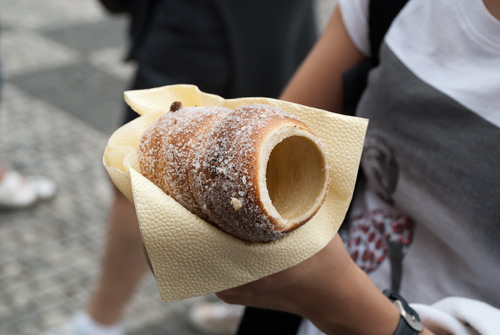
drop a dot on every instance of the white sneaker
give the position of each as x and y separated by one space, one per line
216 318
67 329
17 191
83 324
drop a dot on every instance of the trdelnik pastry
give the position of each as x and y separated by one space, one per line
255 172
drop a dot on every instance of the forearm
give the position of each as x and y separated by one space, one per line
343 300
329 290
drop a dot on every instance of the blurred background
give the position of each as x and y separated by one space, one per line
64 77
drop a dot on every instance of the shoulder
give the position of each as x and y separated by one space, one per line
355 18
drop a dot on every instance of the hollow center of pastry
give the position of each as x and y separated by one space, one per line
296 178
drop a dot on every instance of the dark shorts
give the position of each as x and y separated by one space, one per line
225 47
185 43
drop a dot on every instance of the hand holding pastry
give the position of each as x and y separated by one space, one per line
329 290
190 253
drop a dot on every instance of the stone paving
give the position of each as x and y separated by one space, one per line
61 99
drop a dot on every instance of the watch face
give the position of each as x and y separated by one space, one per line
410 316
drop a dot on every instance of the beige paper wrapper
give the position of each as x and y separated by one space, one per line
190 257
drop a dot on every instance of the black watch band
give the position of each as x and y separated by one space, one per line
409 324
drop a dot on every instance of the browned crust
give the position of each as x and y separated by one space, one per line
220 163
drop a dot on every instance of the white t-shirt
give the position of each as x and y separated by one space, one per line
432 152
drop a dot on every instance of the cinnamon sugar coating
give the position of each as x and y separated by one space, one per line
207 159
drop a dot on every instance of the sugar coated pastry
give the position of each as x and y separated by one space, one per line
255 172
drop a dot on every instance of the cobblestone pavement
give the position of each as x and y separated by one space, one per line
61 99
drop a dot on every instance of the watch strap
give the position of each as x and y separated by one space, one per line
409 323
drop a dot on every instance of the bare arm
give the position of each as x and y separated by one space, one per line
328 288
318 81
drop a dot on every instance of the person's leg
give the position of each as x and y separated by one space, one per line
123 265
122 268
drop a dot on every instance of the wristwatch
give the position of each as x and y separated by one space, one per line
409 324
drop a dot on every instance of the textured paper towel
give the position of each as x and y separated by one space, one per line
191 257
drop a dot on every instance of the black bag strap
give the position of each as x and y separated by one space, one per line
380 16
268 322
381 13
116 6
